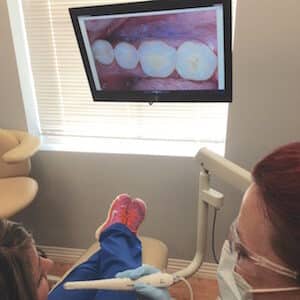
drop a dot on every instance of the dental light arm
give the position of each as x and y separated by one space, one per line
224 169
211 164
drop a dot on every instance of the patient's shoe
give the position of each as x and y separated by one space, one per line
136 214
116 214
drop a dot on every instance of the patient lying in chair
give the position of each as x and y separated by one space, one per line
120 250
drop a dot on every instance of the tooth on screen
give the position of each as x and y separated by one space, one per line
103 52
126 56
195 61
157 58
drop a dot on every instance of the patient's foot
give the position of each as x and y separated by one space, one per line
135 214
116 214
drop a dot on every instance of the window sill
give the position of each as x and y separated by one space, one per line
127 146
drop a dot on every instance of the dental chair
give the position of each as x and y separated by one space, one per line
210 164
17 190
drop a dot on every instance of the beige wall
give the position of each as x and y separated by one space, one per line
11 106
76 188
266 106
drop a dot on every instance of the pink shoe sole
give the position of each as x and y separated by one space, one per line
122 199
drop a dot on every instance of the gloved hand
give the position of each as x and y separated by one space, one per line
145 289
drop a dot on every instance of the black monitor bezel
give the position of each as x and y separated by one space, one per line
157 96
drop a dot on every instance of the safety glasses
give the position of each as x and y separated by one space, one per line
236 246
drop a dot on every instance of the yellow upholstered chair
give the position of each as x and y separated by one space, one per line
17 190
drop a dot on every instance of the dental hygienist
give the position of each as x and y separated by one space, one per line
260 259
263 246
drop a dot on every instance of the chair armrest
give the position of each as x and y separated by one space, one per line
27 147
16 193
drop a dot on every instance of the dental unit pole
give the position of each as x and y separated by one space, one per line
211 164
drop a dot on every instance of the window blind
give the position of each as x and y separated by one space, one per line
64 101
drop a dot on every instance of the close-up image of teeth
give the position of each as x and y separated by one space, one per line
172 51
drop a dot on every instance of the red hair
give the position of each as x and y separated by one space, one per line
278 178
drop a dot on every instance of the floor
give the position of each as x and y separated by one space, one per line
203 288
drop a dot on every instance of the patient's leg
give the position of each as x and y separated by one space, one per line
88 270
120 250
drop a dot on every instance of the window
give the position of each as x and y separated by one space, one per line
65 114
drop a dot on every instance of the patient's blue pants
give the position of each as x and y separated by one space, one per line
120 250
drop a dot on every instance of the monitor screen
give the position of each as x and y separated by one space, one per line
178 51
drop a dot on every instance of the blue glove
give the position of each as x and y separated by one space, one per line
145 289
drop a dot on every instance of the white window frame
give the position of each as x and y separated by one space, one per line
26 80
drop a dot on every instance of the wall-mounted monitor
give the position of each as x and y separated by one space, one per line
157 51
